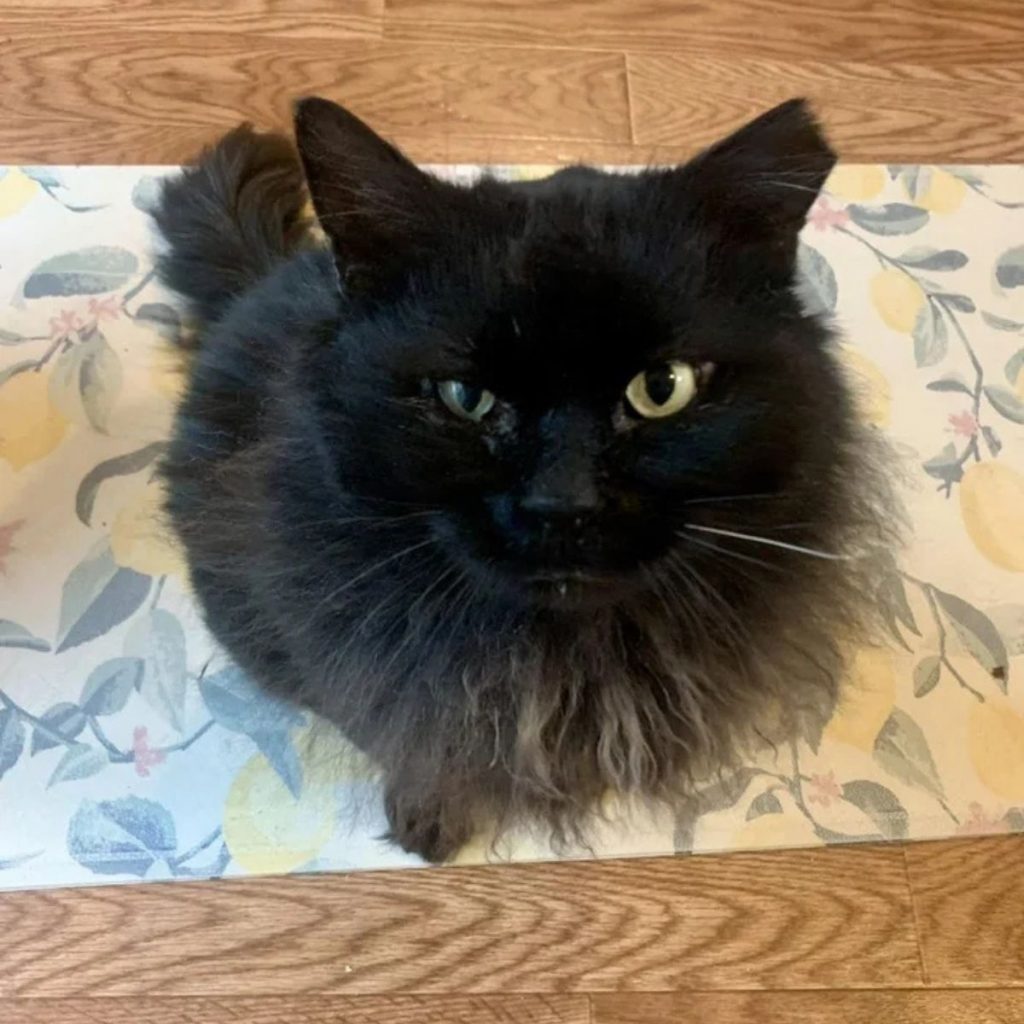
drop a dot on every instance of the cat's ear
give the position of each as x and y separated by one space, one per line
760 182
378 210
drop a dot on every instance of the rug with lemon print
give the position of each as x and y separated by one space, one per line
130 748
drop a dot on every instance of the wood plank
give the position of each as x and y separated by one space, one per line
874 113
992 1007
934 32
188 82
293 19
969 900
66 142
813 918
317 1010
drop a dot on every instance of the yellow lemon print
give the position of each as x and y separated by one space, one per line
30 426
478 850
16 189
167 372
866 700
997 747
856 183
898 299
991 499
270 831
871 387
532 172
141 538
943 192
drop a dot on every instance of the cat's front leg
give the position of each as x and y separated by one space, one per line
432 826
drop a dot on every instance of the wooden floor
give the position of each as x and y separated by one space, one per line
114 81
926 933
887 935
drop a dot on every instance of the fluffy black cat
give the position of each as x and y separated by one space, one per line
536 489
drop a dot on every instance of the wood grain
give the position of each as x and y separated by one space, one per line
512 80
316 1010
873 113
24 141
817 918
290 19
806 1007
969 899
922 31
183 83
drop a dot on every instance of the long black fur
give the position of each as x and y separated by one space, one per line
513 616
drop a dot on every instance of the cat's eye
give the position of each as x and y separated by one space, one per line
465 400
662 390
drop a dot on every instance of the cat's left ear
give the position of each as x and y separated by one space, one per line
381 213
759 183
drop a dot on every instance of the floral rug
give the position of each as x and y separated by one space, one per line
131 749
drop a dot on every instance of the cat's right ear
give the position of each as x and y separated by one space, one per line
380 213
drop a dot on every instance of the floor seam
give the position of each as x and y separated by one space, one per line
918 937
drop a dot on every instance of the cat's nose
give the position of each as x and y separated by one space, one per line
559 506
563 486
565 490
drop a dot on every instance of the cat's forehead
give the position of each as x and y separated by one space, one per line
569 328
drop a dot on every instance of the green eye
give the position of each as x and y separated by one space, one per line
465 400
662 390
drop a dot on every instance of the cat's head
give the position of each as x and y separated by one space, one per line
581 379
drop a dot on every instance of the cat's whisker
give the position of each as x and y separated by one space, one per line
430 611
789 184
376 567
382 520
719 550
768 542
767 495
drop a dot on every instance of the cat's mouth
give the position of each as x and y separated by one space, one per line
547 571
572 588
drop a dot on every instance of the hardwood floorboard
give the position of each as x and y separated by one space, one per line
292 19
817 918
935 32
186 83
503 1009
991 1007
69 142
969 898
874 113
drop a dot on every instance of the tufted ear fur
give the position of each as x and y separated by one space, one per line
768 173
381 213
752 190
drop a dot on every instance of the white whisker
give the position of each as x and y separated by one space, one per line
718 550
768 541
733 497
374 568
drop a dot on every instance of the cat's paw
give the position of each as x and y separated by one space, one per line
429 829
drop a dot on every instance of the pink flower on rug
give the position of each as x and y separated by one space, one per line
68 323
823 216
979 823
104 309
7 532
824 789
145 757
963 424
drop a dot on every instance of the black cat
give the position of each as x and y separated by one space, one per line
536 489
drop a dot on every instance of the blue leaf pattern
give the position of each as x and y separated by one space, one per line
122 724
